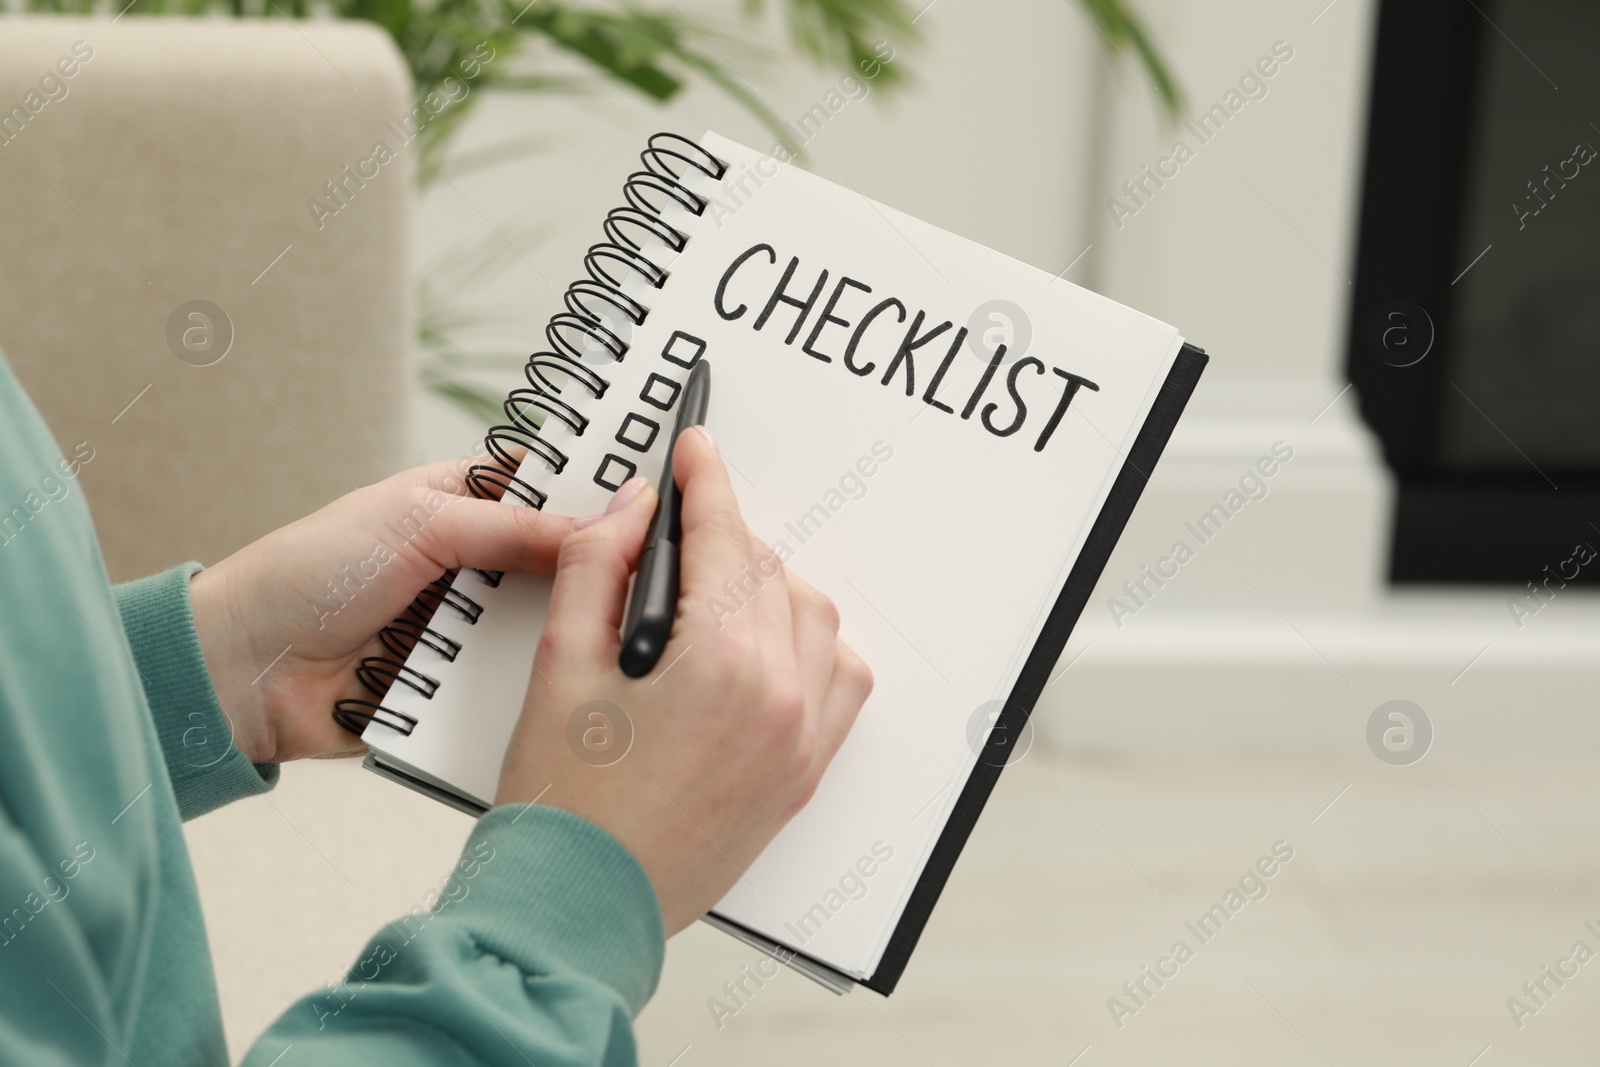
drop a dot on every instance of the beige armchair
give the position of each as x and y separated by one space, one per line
233 355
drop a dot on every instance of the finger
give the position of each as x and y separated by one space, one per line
768 589
592 579
447 475
816 638
467 532
716 544
848 689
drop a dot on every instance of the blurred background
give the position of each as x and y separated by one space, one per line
1383 663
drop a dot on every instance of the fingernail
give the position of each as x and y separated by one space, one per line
626 492
711 440
619 500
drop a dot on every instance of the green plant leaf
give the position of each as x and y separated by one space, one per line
624 44
847 33
1121 28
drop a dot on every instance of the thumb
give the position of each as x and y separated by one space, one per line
592 574
490 535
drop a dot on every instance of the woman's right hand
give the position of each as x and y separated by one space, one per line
732 730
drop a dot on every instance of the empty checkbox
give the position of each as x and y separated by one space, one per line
614 470
638 432
683 349
660 392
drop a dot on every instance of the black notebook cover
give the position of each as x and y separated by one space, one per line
1130 483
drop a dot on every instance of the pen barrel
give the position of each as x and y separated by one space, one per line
651 610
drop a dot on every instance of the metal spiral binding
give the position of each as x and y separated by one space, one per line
667 159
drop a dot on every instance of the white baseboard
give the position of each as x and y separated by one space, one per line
1304 681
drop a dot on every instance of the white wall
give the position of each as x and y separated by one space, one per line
1213 253
1250 249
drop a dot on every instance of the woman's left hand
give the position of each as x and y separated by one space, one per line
283 622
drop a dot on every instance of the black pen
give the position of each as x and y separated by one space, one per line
654 603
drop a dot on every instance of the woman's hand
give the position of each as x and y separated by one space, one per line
284 621
727 738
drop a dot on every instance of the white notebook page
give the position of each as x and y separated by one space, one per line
943 543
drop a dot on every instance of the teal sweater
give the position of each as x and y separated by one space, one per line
543 945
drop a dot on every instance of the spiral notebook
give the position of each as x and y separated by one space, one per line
945 441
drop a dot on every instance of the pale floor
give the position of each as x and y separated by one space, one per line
1414 906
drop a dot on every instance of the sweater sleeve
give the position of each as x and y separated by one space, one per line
540 947
206 768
